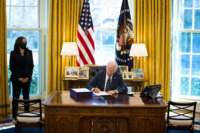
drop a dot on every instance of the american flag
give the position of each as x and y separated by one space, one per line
85 39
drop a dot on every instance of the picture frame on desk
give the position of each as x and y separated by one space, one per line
83 72
71 72
123 68
127 75
138 73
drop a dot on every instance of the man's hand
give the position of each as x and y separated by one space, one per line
112 92
96 90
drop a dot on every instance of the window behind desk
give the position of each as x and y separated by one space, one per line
105 14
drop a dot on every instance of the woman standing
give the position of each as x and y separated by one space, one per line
21 66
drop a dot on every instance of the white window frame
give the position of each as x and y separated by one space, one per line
176 29
42 52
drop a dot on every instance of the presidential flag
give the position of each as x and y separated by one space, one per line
85 36
124 37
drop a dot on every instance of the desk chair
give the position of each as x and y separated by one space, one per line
180 116
31 118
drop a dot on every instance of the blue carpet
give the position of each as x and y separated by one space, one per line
24 130
37 130
173 131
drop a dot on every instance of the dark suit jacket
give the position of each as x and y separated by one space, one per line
99 81
21 66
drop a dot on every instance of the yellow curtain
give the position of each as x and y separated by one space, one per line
4 101
63 25
152 27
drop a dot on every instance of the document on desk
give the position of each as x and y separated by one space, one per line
102 93
81 90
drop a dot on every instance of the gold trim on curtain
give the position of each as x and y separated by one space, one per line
63 25
152 27
4 99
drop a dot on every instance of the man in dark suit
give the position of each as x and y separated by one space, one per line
109 80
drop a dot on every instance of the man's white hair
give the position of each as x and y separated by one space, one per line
113 63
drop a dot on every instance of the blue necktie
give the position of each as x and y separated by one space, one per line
108 83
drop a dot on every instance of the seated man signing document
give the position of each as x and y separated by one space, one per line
110 80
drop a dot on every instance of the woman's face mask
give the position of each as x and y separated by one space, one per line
23 45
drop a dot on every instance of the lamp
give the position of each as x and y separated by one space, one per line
138 50
69 49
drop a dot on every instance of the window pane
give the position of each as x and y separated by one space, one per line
188 3
31 2
109 22
108 38
195 86
15 2
98 37
184 85
104 54
185 64
185 42
32 39
197 19
197 3
34 90
105 19
196 64
97 2
32 43
196 43
187 19
96 16
22 2
18 18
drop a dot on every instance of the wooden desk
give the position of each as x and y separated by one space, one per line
120 114
138 84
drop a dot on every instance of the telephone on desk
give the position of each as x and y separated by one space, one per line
151 91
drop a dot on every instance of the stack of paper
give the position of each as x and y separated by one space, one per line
102 93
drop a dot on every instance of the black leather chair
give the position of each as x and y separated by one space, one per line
31 118
93 70
181 116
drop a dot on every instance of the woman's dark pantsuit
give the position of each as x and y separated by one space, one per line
17 88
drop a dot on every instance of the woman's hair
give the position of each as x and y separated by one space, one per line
18 42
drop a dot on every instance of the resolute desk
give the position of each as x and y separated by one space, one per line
119 114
